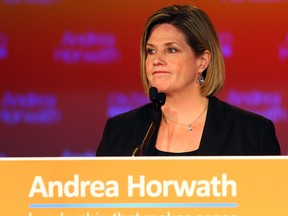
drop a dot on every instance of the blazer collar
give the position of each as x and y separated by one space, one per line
215 133
216 129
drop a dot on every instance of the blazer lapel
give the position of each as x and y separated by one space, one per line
141 128
216 129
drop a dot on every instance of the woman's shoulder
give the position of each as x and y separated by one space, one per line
237 113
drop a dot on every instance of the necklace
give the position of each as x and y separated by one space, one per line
190 124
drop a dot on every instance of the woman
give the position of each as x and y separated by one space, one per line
181 56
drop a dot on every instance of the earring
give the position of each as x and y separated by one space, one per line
201 79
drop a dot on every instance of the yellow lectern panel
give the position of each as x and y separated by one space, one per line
144 186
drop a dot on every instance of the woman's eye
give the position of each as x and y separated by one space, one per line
172 50
150 51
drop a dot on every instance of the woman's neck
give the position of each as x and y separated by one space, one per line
184 108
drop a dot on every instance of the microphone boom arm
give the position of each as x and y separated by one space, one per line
140 150
158 101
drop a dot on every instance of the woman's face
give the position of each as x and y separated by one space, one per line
171 64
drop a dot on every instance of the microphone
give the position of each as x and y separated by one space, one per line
158 100
161 99
153 94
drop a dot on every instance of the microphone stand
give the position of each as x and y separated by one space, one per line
158 102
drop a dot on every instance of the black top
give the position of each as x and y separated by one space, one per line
228 130
162 153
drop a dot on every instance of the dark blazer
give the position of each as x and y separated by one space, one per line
228 130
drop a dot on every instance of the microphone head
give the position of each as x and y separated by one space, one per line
161 99
153 94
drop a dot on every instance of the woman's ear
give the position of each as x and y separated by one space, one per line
204 58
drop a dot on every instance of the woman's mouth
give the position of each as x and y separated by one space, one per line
159 72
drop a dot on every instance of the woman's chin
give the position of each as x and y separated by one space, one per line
161 88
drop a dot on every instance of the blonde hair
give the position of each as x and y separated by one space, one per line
200 36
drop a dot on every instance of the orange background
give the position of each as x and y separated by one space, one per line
31 31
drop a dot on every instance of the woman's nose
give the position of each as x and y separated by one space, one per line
159 59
